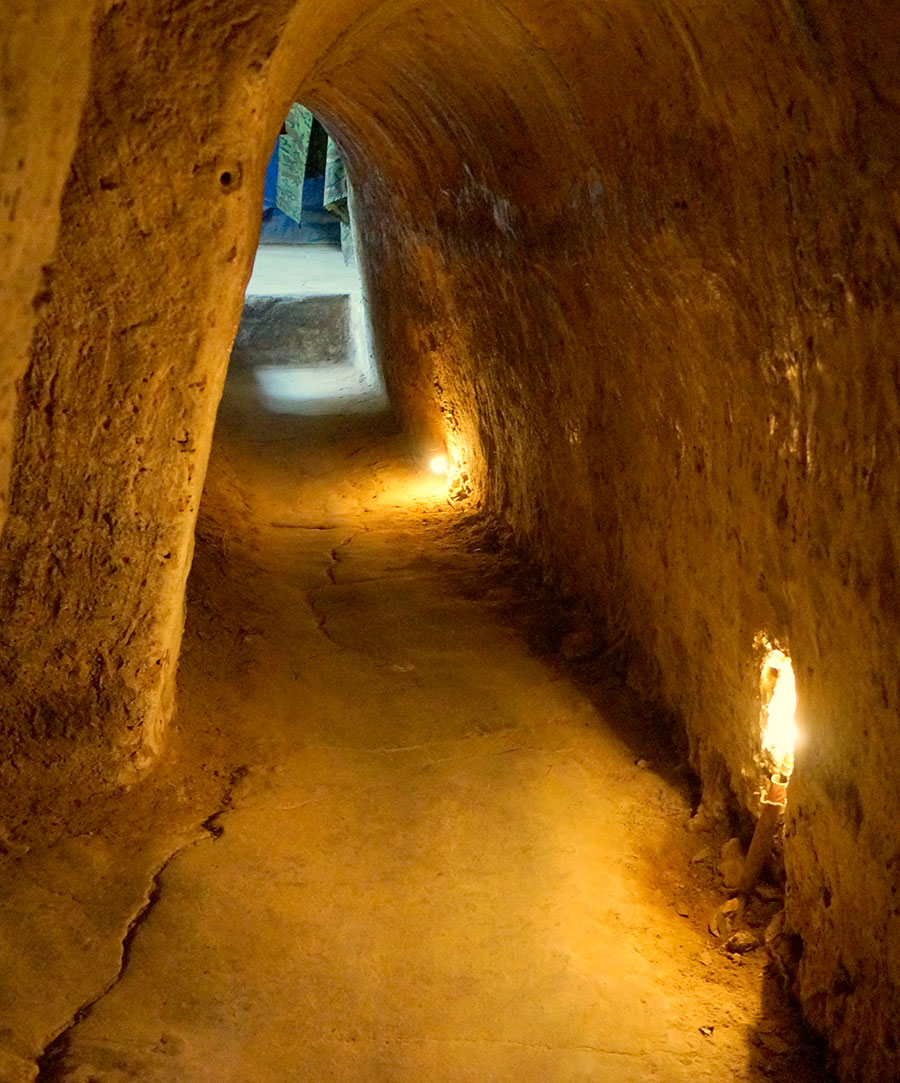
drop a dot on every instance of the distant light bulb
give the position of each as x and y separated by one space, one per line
439 464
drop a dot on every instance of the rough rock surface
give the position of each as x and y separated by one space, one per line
637 263
44 54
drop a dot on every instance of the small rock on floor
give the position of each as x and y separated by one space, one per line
741 942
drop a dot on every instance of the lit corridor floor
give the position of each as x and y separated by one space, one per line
438 856
292 270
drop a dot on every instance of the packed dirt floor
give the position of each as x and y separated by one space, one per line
405 832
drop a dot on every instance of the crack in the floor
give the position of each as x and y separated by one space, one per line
414 768
439 743
508 1042
50 1061
320 617
335 560
305 526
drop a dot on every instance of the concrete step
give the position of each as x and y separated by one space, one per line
294 331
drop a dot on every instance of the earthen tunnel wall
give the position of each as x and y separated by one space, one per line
676 383
638 263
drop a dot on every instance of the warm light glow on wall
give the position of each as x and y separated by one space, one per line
447 460
779 712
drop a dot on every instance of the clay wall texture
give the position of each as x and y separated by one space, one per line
638 263
44 74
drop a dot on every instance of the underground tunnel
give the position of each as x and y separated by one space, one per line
577 761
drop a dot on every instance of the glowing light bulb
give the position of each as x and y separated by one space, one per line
439 464
780 729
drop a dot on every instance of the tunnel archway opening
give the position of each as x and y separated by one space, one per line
304 331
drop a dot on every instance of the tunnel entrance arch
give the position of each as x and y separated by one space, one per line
303 342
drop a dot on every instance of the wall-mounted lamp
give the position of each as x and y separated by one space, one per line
779 736
779 723
449 462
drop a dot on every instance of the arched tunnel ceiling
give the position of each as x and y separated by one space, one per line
426 96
